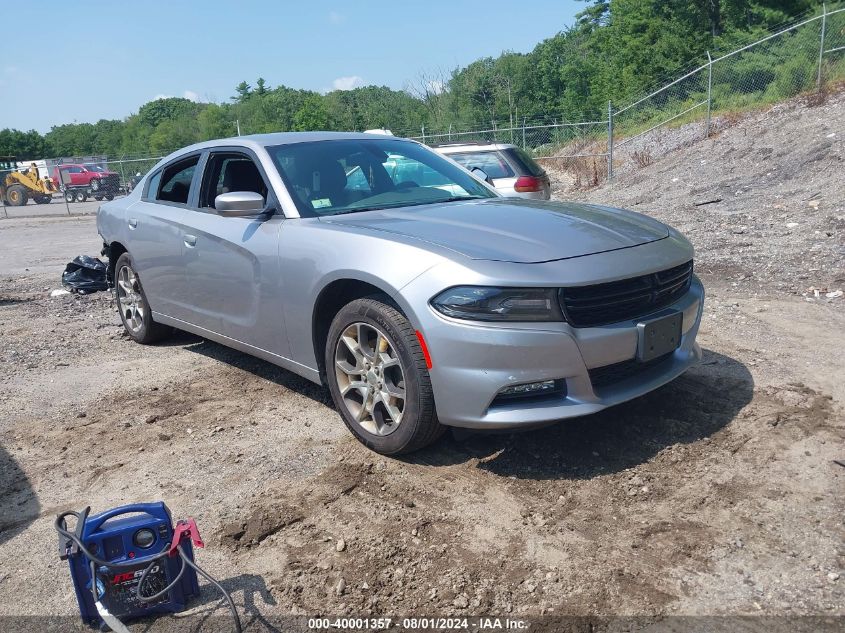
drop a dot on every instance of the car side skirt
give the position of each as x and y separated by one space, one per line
285 363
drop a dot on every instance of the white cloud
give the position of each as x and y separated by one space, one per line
436 86
347 83
188 94
335 17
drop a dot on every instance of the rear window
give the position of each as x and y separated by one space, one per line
492 163
521 158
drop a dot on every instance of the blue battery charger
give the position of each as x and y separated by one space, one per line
131 536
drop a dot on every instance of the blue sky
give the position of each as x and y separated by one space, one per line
92 60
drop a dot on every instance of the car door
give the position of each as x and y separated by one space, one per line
156 234
76 176
231 264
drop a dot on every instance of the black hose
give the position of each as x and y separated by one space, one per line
94 560
220 588
167 588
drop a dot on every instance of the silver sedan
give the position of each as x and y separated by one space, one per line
419 296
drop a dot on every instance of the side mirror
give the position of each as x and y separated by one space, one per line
239 204
480 173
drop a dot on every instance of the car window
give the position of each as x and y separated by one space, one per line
176 181
152 185
403 169
528 164
492 163
75 170
355 179
226 172
351 175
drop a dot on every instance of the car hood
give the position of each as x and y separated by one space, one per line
521 231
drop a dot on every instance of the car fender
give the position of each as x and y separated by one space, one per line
314 256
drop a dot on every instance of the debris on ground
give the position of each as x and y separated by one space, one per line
85 274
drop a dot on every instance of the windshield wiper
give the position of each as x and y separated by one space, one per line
456 198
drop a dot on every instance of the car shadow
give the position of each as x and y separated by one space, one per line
19 504
692 407
256 366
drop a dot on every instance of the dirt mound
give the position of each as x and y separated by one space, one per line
762 200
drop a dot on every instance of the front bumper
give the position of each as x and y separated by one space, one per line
473 362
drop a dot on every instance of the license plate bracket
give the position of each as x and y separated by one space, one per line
659 336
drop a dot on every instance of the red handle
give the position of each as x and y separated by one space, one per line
185 529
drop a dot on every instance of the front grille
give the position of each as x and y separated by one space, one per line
600 304
612 374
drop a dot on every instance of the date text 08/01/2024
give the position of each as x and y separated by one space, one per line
418 624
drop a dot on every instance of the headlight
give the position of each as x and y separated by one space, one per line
480 303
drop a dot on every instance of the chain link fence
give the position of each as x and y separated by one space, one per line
77 184
785 63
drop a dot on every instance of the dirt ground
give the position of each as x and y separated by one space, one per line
717 495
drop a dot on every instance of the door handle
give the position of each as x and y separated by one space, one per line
133 223
190 241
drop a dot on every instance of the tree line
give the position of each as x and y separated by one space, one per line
615 50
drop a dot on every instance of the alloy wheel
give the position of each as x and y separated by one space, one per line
370 378
132 305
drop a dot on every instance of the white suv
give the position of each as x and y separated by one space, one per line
510 169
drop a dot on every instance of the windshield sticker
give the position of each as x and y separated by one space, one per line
321 203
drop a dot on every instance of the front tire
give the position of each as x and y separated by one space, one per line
378 378
70 196
16 195
132 305
95 184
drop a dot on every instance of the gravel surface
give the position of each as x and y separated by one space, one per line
715 495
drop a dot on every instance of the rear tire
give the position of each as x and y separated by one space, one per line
132 305
373 370
82 196
98 197
17 196
109 197
70 196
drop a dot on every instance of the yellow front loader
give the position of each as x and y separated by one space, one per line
16 187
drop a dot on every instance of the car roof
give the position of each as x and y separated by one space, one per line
255 141
455 148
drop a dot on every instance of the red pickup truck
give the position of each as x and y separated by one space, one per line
80 181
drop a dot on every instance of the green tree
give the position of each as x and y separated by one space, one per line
312 114
25 145
214 122
242 92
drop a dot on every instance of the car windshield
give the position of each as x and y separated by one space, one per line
349 175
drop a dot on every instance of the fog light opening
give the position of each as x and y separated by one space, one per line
539 389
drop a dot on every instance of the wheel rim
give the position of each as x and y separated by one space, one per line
370 378
132 306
